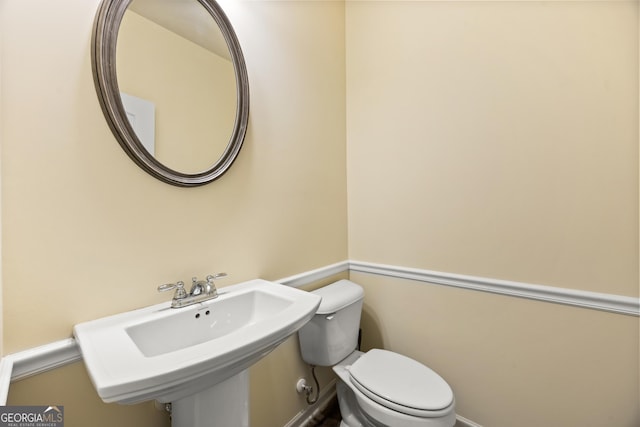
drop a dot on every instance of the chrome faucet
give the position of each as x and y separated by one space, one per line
201 290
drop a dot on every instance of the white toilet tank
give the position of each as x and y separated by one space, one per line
332 334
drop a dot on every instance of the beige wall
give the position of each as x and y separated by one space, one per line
86 233
497 139
70 387
500 139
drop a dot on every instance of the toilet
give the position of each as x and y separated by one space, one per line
378 388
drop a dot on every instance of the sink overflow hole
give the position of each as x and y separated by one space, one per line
208 312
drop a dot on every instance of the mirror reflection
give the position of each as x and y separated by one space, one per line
177 82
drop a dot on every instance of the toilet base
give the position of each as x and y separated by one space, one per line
349 409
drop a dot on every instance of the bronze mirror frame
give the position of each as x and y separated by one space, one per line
103 61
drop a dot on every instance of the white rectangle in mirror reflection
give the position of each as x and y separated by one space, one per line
142 117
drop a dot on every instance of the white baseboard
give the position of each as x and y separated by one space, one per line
463 422
304 417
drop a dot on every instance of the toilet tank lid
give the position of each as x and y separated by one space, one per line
338 295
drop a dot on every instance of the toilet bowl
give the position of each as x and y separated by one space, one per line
378 388
399 392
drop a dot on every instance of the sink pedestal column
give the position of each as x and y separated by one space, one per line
224 404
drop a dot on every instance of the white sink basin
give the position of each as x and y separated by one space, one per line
167 354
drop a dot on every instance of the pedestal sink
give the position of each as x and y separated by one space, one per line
195 357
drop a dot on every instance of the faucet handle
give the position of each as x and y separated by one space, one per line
210 286
178 286
215 276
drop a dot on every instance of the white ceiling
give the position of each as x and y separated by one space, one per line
187 18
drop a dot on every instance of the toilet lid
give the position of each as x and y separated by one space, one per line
400 383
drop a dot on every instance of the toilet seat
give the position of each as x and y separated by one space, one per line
401 384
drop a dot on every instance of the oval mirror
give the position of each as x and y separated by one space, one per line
173 86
